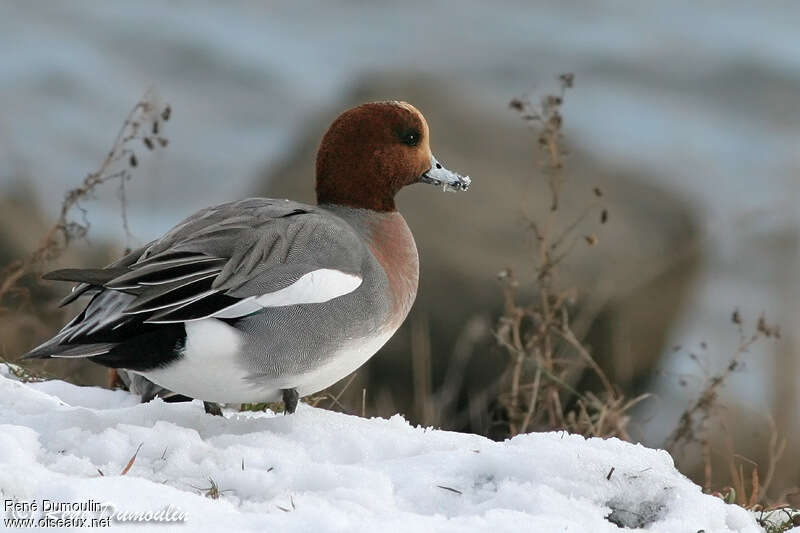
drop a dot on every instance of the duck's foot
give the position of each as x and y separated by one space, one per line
290 399
212 408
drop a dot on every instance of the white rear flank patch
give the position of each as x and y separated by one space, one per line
210 368
315 287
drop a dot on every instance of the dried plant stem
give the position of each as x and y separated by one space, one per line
542 347
537 381
699 411
777 446
568 336
698 424
116 166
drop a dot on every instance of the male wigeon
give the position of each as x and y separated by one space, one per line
261 299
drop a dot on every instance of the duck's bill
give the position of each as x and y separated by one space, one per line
444 178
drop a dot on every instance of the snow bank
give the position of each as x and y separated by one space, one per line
323 471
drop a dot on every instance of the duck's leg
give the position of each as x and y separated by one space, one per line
147 395
212 408
114 381
290 399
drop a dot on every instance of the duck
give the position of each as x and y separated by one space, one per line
261 299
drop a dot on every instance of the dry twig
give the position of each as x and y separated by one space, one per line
140 124
544 352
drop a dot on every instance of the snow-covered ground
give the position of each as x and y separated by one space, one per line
323 471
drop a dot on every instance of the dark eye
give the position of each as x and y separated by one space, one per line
411 138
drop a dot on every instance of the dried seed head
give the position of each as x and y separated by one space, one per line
567 80
163 142
165 114
552 100
766 329
516 104
155 127
736 318
591 240
133 161
604 216
148 142
556 120
598 192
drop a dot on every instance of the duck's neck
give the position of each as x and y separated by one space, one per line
392 244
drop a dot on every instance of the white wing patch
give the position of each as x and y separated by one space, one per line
315 287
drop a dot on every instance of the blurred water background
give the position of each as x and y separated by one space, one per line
699 99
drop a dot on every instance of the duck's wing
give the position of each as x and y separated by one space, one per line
224 262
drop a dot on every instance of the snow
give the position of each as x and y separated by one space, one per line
319 470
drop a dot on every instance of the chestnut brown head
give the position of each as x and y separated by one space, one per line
372 151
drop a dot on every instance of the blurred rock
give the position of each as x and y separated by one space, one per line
631 284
